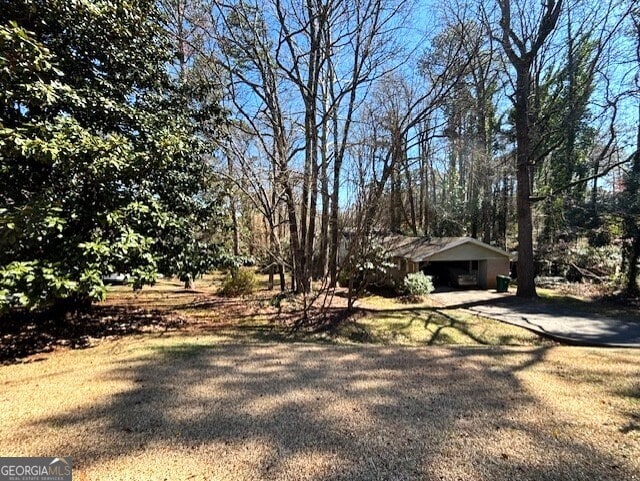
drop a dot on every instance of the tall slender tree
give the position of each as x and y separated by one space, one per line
631 194
522 41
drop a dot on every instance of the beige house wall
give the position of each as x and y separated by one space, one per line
401 268
490 264
496 267
466 252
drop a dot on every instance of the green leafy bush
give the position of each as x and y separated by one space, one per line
417 284
238 283
367 265
101 155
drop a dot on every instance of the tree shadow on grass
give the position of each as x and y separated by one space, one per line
25 334
234 318
318 413
434 326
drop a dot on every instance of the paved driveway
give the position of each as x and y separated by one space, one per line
564 324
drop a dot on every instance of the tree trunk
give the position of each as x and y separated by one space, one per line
333 224
321 265
397 153
297 251
327 94
270 282
272 246
632 222
526 266
413 221
234 226
283 285
632 288
522 51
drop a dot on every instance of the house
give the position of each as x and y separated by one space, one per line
453 261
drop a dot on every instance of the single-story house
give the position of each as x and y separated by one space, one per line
454 261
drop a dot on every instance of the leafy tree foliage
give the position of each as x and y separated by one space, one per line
100 167
563 138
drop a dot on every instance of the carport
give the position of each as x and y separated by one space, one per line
454 261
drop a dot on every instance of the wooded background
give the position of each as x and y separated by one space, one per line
268 130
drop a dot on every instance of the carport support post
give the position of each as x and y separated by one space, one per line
483 280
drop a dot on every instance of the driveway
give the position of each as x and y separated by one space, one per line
563 324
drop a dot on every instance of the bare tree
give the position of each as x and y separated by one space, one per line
393 126
297 72
470 128
522 37
632 187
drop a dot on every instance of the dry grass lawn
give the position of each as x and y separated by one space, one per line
183 406
224 398
379 320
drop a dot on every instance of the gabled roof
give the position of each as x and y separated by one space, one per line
419 249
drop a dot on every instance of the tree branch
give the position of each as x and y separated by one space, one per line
568 186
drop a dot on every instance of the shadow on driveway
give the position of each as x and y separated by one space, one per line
562 323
